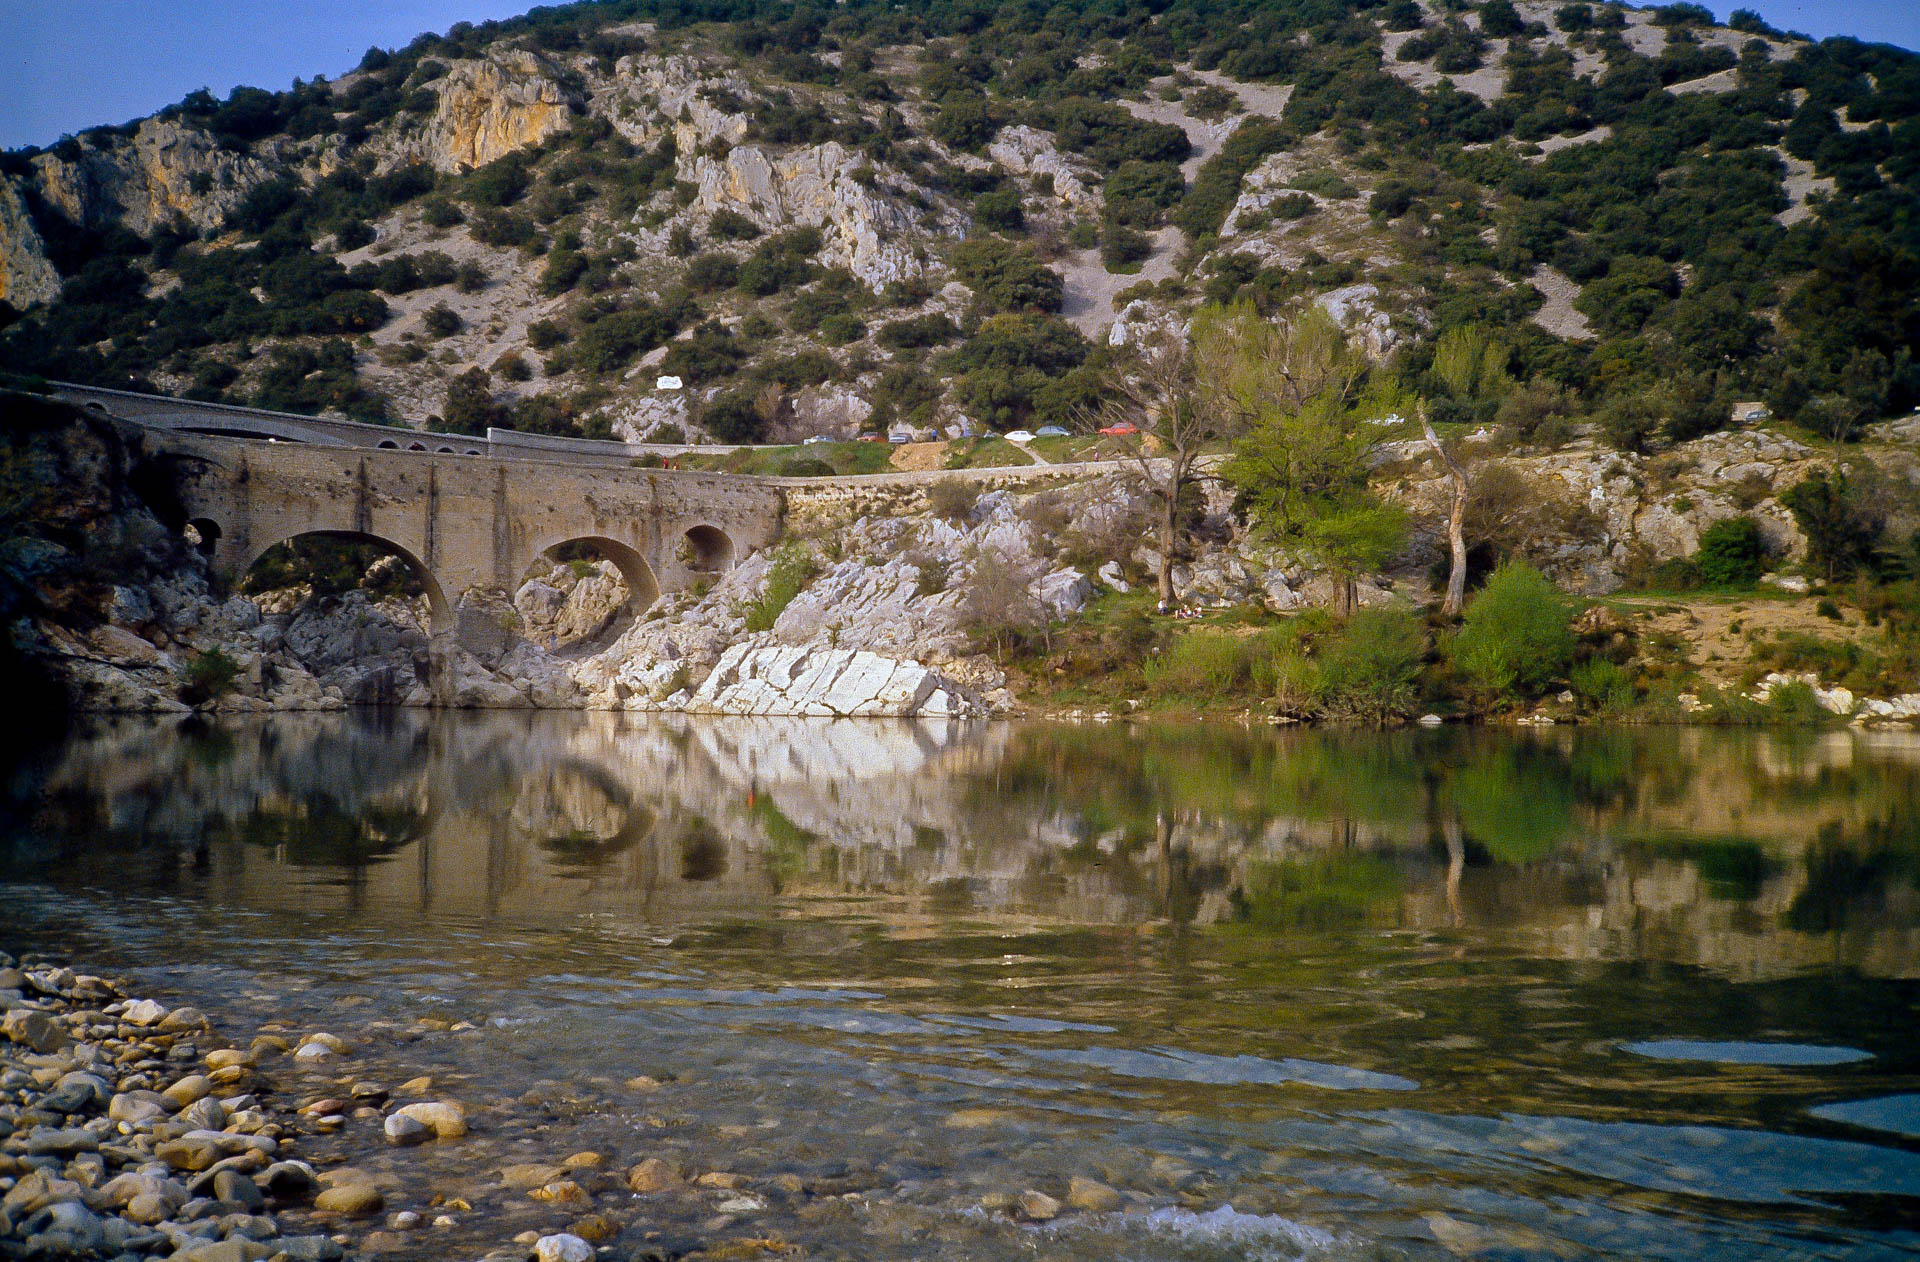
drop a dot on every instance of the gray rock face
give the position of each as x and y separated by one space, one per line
839 683
26 276
866 232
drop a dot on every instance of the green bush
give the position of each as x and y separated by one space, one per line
208 676
793 567
1370 666
1732 553
1517 636
1605 686
1204 664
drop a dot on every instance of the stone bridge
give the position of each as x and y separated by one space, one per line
470 516
469 526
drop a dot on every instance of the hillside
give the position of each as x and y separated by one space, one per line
845 216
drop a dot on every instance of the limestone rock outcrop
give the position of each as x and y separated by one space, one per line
165 170
866 232
1028 151
837 683
490 107
26 276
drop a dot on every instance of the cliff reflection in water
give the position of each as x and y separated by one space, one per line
1752 853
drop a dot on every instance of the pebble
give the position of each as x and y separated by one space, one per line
405 1220
189 1089
562 1192
1091 1195
653 1175
144 1012
1036 1206
446 1119
595 1228
562 1248
352 1199
405 1131
39 1032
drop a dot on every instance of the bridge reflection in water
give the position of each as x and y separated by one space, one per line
1755 854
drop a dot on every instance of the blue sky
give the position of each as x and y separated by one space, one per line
66 65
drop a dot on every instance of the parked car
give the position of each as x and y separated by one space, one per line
899 437
871 438
1020 436
1050 431
1122 429
817 438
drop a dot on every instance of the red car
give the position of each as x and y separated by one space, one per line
872 438
1122 429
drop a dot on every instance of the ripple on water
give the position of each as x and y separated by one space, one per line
1797 1055
1222 1232
1175 1065
1752 1167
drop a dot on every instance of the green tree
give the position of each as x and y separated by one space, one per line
1357 535
1517 636
1840 529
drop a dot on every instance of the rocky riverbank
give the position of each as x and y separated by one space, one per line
880 610
130 1130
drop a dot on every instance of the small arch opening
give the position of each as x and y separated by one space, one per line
416 447
202 535
471 452
443 451
706 550
578 595
389 445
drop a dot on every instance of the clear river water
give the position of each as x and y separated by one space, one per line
1304 994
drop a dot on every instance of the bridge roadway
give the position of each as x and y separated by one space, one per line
471 516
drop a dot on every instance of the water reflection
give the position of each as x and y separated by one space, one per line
1467 993
1752 853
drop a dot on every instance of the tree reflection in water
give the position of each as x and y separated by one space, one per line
1703 840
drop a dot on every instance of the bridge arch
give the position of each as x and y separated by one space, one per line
205 536
707 550
440 610
643 586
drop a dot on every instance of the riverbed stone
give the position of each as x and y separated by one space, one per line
189 1089
595 1228
35 1030
405 1130
233 1188
445 1118
64 1229
653 1175
65 1141
289 1181
1091 1195
144 1012
562 1247
234 1250
561 1192
77 1092
1036 1206
310 1248
355 1199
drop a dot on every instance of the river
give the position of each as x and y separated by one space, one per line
1304 994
